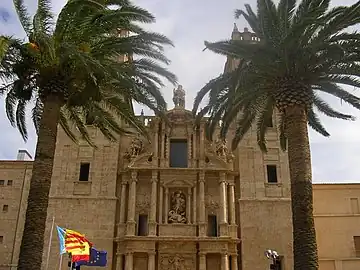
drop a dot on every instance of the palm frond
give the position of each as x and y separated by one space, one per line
23 16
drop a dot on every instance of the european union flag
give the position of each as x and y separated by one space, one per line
97 258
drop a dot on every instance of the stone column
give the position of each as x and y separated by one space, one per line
166 205
188 206
202 261
156 140
131 224
161 205
202 223
194 220
129 261
162 145
223 212
202 145
152 219
232 203
223 206
122 202
189 148
151 261
119 262
234 262
167 149
194 149
224 262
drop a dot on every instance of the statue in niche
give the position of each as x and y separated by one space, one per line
177 214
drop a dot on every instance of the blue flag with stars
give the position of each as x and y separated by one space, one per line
97 258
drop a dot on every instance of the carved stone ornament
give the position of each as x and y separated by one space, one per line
211 203
219 147
175 262
135 149
177 214
142 201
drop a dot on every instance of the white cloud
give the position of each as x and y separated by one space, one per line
188 23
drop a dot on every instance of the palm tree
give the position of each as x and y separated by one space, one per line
302 52
69 71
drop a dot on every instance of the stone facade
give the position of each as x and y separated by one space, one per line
337 224
215 210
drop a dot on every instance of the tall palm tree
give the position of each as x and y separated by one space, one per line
303 51
69 70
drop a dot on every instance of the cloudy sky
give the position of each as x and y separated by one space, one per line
188 23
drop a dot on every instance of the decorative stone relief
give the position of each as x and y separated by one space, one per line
211 202
142 199
177 214
135 149
219 147
176 262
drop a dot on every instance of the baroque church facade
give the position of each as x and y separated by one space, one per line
176 202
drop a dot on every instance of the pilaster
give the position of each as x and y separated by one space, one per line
152 219
131 223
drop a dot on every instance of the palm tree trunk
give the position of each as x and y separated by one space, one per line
304 236
31 249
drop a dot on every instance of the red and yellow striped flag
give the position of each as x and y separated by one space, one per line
77 245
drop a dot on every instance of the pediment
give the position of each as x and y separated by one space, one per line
178 183
179 115
142 161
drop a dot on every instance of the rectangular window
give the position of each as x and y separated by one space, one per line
354 205
84 172
277 265
212 226
1 239
5 208
9 182
357 245
2 182
269 122
271 174
178 153
143 225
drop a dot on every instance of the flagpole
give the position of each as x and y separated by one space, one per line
50 240
60 262
71 263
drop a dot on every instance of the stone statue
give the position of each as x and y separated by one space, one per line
177 214
221 148
179 97
136 147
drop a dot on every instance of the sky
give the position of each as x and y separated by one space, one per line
188 24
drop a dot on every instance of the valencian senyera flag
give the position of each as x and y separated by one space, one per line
74 243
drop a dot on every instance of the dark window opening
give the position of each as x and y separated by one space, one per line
5 208
1 239
277 264
269 122
143 225
271 174
84 172
357 245
89 119
178 153
9 182
2 182
212 226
